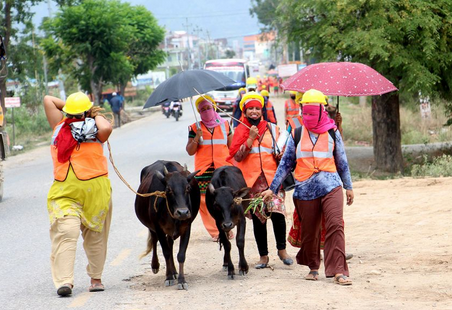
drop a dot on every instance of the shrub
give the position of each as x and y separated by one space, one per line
439 167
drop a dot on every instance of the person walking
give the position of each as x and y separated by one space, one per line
208 141
116 103
268 111
291 107
236 112
79 199
321 172
253 151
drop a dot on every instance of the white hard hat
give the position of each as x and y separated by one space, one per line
114 94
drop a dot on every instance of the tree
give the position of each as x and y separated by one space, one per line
103 41
409 42
229 54
12 14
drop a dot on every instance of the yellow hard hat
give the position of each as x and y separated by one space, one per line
249 96
298 96
242 89
292 92
77 103
265 93
205 97
313 96
251 83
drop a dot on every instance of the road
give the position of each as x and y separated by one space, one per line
25 279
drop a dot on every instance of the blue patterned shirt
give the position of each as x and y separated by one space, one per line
319 184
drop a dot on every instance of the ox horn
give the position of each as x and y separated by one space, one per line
185 167
165 171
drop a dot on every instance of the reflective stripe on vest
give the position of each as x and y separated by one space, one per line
213 149
295 122
223 140
87 160
292 107
313 158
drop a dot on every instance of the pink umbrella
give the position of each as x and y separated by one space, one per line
349 79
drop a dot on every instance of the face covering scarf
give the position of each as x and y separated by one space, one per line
210 117
315 119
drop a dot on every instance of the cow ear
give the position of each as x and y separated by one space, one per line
191 175
242 192
211 188
160 176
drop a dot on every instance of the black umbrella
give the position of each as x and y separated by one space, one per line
187 84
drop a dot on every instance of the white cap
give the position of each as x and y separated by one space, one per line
114 94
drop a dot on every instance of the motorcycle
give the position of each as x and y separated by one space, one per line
176 111
166 109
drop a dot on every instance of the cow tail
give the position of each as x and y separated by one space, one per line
149 247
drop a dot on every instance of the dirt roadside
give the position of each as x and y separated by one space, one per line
398 230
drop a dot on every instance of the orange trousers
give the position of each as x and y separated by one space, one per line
207 219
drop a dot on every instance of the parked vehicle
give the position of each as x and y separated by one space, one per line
236 69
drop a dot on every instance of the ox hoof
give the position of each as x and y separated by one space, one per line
243 272
170 282
225 268
182 286
230 276
155 271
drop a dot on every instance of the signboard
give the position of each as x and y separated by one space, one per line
287 70
12 102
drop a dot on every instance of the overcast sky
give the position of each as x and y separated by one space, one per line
216 18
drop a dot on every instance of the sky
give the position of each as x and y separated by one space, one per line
209 18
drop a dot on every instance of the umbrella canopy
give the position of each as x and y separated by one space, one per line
349 79
187 84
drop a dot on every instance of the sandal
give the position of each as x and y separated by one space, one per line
345 280
65 290
313 275
262 265
96 287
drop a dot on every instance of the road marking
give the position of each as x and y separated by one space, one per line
123 255
80 300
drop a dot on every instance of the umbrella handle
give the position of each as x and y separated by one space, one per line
337 105
198 125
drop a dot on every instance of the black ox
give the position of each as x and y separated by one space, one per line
169 214
223 200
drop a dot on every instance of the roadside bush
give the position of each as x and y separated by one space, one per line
30 126
439 167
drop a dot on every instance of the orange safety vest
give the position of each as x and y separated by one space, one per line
313 158
260 158
292 108
294 122
270 113
213 148
87 160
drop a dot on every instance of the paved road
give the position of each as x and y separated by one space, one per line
25 280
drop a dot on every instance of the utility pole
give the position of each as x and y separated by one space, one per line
187 25
166 51
198 30
208 46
